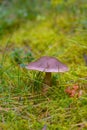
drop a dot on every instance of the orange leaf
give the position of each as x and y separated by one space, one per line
75 87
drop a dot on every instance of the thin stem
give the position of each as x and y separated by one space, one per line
47 78
47 82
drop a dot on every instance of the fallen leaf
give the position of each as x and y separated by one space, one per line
68 90
75 87
73 93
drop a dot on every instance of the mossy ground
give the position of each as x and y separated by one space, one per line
61 33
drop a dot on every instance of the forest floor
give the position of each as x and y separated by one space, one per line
23 106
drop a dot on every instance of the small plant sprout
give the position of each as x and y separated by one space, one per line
48 65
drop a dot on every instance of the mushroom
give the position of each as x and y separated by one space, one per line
47 64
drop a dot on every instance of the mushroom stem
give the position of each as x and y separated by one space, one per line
47 82
47 78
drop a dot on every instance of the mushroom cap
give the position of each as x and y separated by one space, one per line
47 64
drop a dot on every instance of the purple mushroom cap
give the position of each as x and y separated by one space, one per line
47 64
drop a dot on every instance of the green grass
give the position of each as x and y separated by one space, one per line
61 33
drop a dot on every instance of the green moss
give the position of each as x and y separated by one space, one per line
54 32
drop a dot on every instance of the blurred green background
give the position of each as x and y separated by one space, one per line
30 29
15 12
